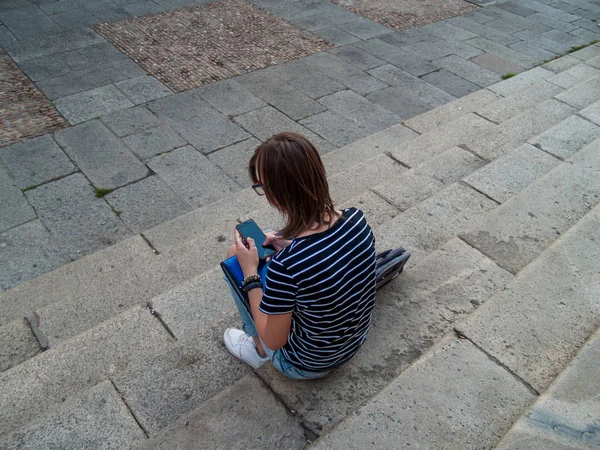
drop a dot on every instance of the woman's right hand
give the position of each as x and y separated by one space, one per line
276 241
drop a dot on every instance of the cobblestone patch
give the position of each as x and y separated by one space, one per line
407 13
190 47
24 111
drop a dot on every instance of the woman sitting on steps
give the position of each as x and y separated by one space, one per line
314 309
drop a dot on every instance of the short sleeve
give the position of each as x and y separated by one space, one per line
279 296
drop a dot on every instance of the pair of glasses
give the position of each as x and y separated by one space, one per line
258 188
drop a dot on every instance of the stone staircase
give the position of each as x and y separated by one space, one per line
495 195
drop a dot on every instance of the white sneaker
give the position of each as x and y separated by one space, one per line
242 347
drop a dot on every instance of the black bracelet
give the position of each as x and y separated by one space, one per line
251 279
248 287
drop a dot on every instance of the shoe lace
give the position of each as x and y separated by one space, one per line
246 339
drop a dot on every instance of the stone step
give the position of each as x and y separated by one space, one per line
411 313
235 418
97 418
38 385
565 416
17 344
583 94
520 229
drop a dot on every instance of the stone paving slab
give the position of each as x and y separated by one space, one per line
509 54
28 250
399 101
439 49
36 161
17 344
496 64
433 401
154 141
532 220
230 98
507 176
334 128
377 210
402 59
96 419
357 57
574 76
40 384
197 122
15 209
533 50
516 131
235 419
565 415
522 81
192 176
453 84
411 313
131 121
472 25
74 19
518 102
567 137
91 104
233 160
534 327
281 95
469 70
79 222
28 22
592 113
145 204
336 36
143 89
100 155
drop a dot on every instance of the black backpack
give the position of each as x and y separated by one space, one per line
390 263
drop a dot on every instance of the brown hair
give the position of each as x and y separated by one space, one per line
293 178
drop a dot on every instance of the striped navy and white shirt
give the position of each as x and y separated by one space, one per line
327 281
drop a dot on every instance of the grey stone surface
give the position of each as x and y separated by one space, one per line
521 81
592 112
153 141
98 418
344 73
281 95
402 59
507 176
143 89
357 57
516 131
363 114
504 52
233 160
564 416
100 155
532 220
27 251
400 102
524 23
105 10
17 344
235 418
594 62
88 105
469 24
325 19
59 6
553 22
146 203
15 208
364 28
265 122
143 8
230 97
426 179
496 64
446 31
451 111
439 49
447 135
192 176
584 35
74 19
426 92
6 35
435 400
302 76
28 22
40 384
561 36
336 36
543 42
80 222
290 10
87 79
574 76
448 82
333 128
519 102
130 121
503 26
377 210
567 137
36 161
197 122
410 315
529 49
586 53
468 70
515 8
538 338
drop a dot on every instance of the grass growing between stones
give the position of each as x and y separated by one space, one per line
506 76
99 192
115 210
580 47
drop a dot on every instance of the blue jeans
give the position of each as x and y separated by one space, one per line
280 362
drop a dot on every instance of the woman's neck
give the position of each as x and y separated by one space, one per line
320 227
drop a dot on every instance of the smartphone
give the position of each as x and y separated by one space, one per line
249 229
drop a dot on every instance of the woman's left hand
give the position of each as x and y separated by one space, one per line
247 256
